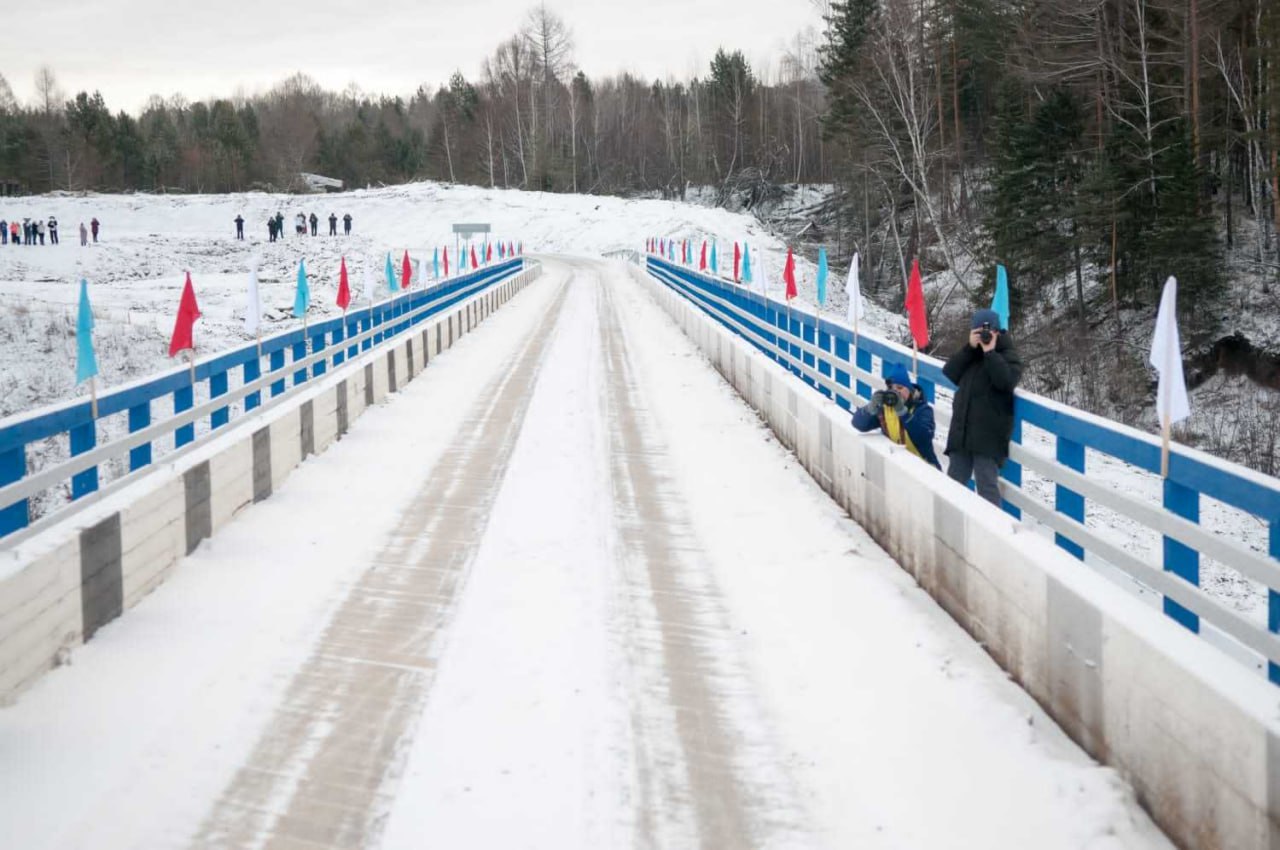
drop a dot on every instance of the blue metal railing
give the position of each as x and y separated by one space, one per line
293 357
819 354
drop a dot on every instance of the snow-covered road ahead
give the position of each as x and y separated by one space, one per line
563 591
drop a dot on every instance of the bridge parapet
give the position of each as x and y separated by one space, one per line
1196 735
81 568
829 359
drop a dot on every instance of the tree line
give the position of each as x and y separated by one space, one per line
1092 146
530 120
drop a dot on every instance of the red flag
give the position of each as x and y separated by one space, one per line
789 274
915 307
662 247
474 263
511 249
406 271
344 286
737 260
488 255
522 249
188 312
702 264
446 260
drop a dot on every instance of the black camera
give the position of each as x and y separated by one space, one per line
985 334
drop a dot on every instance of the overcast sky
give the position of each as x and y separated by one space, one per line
131 49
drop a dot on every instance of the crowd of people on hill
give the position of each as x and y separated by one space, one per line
302 225
35 231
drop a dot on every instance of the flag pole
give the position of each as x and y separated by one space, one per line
93 400
915 359
1164 449
817 343
191 358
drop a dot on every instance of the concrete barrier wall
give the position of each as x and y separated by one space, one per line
1194 733
68 581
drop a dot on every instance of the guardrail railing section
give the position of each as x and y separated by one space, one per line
1094 483
60 454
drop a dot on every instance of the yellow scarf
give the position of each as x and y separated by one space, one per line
896 431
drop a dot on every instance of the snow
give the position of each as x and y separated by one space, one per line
596 676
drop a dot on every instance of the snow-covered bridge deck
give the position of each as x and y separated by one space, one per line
565 590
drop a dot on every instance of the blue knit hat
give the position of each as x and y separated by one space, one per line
898 374
986 317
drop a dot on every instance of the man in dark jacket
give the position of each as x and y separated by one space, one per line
985 371
346 224
902 414
239 226
333 224
315 224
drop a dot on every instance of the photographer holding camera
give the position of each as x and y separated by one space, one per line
985 371
901 413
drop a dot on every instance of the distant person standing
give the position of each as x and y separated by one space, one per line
4 232
333 224
26 231
39 226
240 227
84 235
271 229
300 224
315 225
346 224
53 230
93 226
279 224
13 233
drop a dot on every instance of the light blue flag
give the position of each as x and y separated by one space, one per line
715 262
822 277
86 361
302 295
435 263
1000 303
746 264
391 276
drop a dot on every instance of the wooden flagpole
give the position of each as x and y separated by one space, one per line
1166 427
817 343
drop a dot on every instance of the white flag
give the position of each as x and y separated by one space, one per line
1166 356
856 308
762 276
253 312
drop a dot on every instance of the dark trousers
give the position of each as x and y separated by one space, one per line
333 228
984 471
346 227
53 235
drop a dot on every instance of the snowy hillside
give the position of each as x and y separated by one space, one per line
147 243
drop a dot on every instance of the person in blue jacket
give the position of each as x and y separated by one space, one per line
902 414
